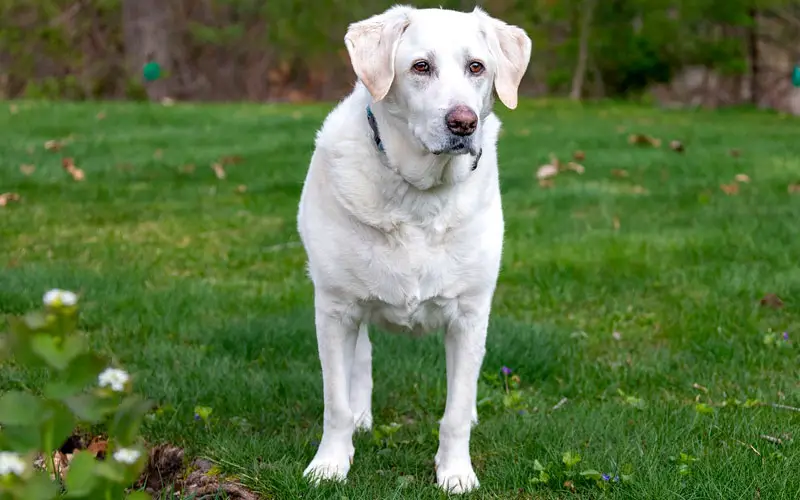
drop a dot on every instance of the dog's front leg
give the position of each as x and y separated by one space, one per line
465 345
336 341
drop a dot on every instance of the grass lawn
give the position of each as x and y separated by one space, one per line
641 275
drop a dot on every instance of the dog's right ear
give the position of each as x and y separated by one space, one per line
372 44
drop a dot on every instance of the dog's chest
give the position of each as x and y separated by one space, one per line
414 279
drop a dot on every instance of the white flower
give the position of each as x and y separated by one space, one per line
11 463
58 298
114 378
127 455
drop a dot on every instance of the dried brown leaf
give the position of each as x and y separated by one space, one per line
575 167
546 183
619 172
97 447
676 146
793 188
644 140
53 145
241 188
27 169
546 172
772 301
742 178
101 115
219 171
615 223
230 160
579 155
13 109
6 198
730 189
639 189
735 152
69 165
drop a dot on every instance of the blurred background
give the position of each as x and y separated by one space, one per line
708 53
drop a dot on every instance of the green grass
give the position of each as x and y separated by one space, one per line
200 290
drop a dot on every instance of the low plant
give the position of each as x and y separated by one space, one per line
82 388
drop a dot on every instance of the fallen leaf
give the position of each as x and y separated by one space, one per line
575 167
241 188
730 189
188 169
7 198
27 169
735 153
218 170
618 172
69 165
615 223
230 160
13 109
771 300
101 115
60 464
546 172
158 154
97 447
676 146
53 145
793 188
644 140
639 190
570 486
579 155
546 183
742 178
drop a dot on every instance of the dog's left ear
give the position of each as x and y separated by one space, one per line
372 45
511 48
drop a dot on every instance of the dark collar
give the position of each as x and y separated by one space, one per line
373 124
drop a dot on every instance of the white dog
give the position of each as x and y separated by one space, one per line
400 214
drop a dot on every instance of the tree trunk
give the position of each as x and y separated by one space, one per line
583 51
755 93
147 26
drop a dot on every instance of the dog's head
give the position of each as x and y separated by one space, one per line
437 70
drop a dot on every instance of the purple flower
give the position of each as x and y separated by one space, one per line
786 336
616 479
196 416
506 371
605 477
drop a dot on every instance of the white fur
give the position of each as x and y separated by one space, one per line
408 240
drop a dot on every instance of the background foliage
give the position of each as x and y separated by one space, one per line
288 50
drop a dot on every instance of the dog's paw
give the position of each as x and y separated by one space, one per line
457 480
328 468
364 422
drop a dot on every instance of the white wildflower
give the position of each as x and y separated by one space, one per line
58 298
127 455
114 378
11 463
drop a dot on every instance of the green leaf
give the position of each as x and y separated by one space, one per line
82 371
570 459
592 474
39 487
110 470
57 352
128 419
60 424
703 409
90 408
537 465
80 477
35 321
21 438
19 408
139 495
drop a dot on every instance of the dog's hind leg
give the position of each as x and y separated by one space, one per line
361 381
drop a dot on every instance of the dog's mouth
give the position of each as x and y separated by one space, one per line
457 146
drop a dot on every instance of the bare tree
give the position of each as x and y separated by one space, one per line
583 50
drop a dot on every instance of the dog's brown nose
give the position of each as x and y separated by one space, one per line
461 120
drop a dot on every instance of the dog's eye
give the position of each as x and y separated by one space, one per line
476 68
421 67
